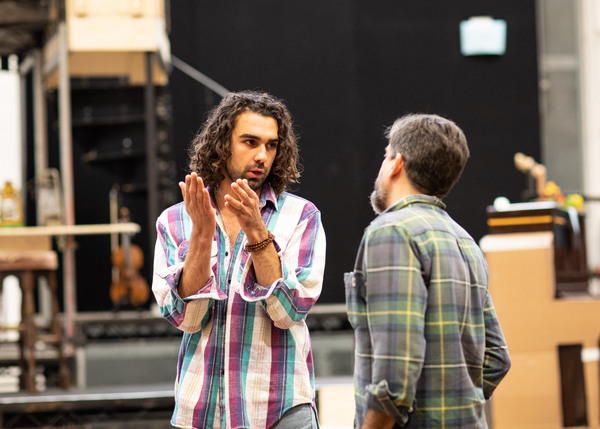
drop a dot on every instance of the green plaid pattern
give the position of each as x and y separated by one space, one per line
429 348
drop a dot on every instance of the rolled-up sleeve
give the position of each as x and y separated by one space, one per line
187 314
396 299
289 299
497 360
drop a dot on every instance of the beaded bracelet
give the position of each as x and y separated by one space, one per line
261 244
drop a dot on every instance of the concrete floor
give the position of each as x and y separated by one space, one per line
152 361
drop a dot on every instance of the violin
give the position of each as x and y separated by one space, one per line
129 288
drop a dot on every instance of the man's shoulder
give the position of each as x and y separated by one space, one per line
398 219
177 207
388 224
419 219
175 211
296 201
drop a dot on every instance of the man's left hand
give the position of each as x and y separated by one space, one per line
245 205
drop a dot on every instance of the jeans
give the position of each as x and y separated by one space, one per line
299 417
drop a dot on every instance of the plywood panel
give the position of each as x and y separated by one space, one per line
535 324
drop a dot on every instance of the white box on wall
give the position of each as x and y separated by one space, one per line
482 35
10 126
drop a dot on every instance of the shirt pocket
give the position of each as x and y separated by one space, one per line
354 285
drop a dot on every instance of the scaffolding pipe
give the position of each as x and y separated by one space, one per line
66 169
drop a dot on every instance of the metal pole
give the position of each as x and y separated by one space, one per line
39 121
66 168
24 70
40 158
151 156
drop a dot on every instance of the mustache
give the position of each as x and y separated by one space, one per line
258 165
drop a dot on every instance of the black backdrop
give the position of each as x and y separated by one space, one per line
347 69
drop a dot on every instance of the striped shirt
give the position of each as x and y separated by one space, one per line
245 356
429 348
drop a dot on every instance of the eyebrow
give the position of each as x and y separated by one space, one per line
252 136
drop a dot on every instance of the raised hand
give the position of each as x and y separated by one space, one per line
197 204
244 203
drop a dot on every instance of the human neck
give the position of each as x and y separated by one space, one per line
401 189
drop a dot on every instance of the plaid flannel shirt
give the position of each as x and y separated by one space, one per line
429 348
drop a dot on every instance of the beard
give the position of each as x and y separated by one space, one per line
378 198
254 183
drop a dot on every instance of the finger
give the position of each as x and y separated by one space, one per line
243 183
238 189
244 193
185 188
248 191
182 188
232 202
202 195
196 188
188 182
191 183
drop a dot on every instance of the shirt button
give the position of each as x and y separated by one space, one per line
226 253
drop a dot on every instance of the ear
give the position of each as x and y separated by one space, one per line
397 166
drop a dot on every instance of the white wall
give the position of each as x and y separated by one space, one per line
10 169
10 126
590 93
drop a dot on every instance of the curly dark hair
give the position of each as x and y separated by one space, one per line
211 147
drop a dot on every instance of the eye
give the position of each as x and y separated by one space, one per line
272 145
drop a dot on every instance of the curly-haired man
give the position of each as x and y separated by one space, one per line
238 265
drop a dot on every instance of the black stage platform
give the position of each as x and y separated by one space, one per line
124 365
147 406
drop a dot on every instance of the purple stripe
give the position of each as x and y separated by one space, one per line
239 313
203 412
277 376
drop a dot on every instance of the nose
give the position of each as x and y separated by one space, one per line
261 153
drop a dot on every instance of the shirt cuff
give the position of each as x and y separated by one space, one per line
172 274
380 399
256 292
210 290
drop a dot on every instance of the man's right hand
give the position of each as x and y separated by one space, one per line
197 270
197 204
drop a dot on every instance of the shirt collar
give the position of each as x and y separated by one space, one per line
268 195
416 199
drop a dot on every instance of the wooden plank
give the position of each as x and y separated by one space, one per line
56 230
25 242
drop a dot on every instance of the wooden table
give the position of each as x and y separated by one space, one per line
39 238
